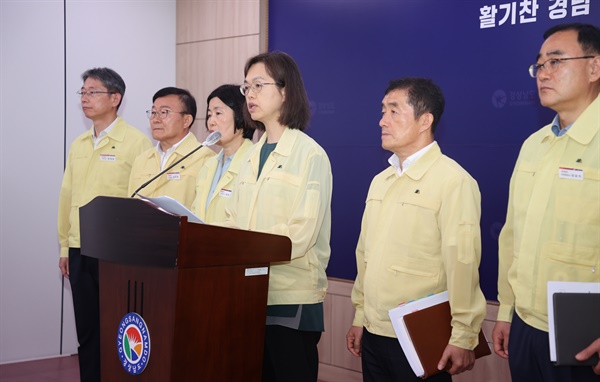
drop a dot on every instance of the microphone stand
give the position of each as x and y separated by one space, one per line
210 140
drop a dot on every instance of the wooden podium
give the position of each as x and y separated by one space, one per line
201 290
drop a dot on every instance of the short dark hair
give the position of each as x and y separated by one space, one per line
109 78
187 100
588 36
230 95
295 111
424 95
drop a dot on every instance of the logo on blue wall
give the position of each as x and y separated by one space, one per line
499 99
133 343
514 97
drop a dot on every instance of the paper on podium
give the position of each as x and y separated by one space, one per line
565 287
423 328
172 206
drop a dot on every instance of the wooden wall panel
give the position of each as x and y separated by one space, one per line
201 20
203 66
335 361
213 41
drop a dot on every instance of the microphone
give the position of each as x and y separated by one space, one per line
209 141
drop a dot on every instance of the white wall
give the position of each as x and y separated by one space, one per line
135 38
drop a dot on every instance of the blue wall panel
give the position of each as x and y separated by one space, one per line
349 50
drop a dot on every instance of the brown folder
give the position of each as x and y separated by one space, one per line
430 331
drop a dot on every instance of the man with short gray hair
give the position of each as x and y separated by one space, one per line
99 163
420 235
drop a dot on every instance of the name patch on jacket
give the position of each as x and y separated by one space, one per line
225 193
108 157
173 176
570 173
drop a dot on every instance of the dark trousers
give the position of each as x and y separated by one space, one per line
384 361
290 355
529 358
83 276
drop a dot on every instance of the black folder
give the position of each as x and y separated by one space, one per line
576 326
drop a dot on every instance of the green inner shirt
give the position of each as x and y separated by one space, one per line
265 151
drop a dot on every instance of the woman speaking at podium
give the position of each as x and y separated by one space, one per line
284 187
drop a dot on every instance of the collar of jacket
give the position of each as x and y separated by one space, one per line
418 169
189 143
283 148
117 133
585 127
239 155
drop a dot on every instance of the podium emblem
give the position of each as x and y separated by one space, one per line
133 343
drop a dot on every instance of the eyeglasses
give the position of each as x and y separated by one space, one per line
91 93
255 86
162 113
551 65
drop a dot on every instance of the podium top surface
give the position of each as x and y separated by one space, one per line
131 231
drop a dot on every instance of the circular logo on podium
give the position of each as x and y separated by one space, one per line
133 343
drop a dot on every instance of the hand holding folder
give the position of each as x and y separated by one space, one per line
423 328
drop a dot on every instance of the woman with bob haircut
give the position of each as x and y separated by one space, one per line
284 187
225 114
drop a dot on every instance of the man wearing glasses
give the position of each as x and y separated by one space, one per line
173 113
99 163
552 229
